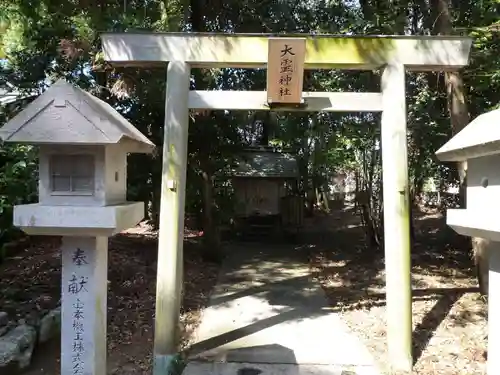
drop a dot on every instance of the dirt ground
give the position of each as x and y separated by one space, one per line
449 315
30 283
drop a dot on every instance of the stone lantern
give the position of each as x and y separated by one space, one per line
83 145
478 144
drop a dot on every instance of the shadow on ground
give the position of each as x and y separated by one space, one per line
334 245
351 274
30 285
447 307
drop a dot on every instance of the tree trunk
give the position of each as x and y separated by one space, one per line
326 197
211 237
481 249
459 116
155 200
363 203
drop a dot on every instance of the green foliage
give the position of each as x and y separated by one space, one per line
18 170
47 39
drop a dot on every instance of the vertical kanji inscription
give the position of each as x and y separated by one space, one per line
285 70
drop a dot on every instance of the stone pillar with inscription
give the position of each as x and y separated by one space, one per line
83 146
84 291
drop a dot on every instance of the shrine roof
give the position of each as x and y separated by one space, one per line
261 163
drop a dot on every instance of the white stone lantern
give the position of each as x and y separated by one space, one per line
83 146
479 145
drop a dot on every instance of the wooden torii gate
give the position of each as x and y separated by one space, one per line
182 51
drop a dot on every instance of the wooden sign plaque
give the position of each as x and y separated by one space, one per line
285 70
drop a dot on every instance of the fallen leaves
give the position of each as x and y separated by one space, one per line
449 316
30 284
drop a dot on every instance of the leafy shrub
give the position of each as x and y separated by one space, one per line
18 184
